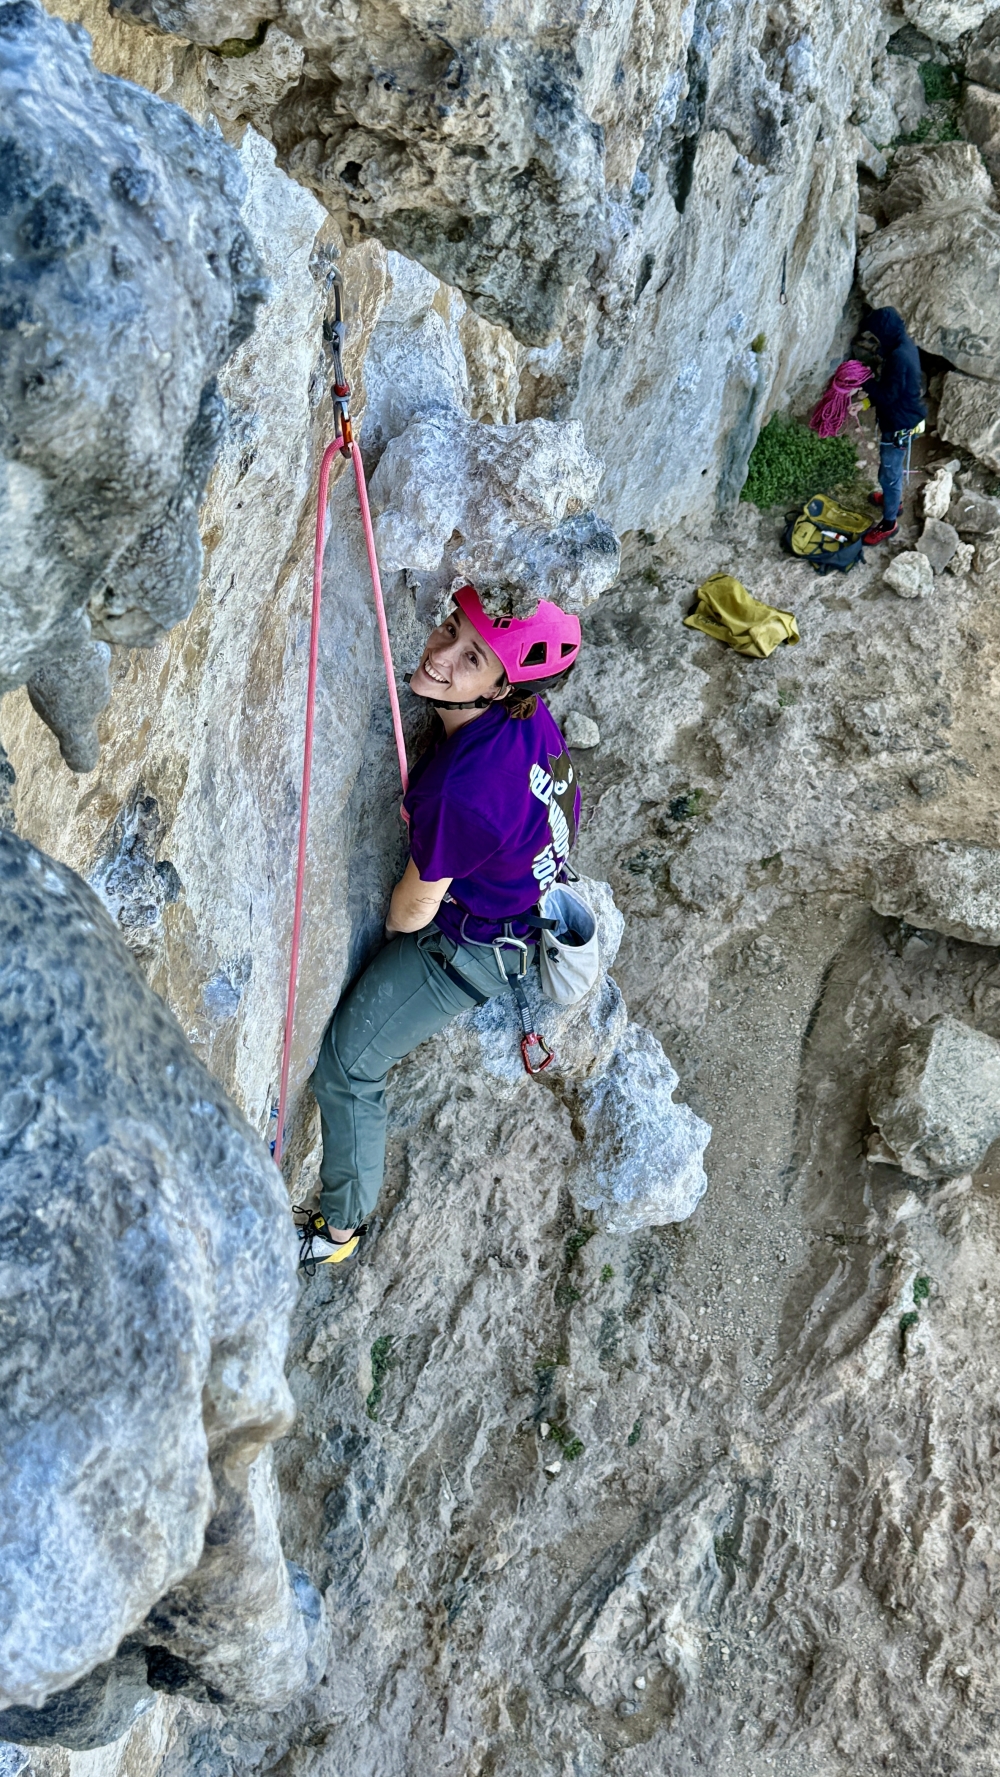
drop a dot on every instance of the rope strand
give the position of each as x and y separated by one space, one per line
836 404
397 724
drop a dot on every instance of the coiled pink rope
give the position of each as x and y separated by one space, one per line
397 724
834 407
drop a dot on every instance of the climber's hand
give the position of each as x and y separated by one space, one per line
414 903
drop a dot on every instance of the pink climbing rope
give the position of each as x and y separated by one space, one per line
833 409
397 724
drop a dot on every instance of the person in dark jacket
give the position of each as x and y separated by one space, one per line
897 397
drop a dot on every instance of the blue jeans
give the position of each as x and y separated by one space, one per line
891 458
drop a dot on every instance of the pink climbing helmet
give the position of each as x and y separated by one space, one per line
528 648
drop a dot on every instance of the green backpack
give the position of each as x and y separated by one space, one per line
825 534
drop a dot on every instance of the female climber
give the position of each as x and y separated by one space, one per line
493 810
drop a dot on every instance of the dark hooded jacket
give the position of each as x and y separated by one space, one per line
896 393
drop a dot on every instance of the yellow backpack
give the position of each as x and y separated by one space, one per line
825 534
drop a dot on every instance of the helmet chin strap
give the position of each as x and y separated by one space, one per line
442 703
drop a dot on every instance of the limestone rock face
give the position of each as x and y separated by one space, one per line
938 259
905 91
981 123
151 1265
575 178
969 416
128 280
936 1102
549 1442
476 156
945 21
94 1712
748 1422
949 887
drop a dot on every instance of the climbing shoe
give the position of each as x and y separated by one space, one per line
877 498
317 1245
880 533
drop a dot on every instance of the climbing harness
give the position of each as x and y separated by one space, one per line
531 1043
346 445
533 1046
905 436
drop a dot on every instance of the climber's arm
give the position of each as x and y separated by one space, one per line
414 903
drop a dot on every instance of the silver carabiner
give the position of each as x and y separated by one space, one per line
508 942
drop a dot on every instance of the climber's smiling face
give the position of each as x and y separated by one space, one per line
457 665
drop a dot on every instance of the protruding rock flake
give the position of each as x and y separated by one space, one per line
503 507
641 1160
969 416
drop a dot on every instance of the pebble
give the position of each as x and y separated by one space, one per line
553 1468
640 1684
581 731
544 1429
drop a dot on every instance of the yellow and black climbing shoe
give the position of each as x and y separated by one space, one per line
317 1245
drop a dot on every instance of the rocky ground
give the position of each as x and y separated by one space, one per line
714 1496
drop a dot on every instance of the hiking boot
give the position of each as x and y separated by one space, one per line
877 498
880 533
317 1245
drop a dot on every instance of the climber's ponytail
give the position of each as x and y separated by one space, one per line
521 701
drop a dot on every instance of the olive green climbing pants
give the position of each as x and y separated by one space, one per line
403 997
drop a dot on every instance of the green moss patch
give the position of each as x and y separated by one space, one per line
382 1361
943 89
789 463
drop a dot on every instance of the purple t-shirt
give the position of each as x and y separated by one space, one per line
495 806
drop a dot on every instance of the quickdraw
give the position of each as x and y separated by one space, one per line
531 1043
335 338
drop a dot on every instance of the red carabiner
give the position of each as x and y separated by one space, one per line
529 1039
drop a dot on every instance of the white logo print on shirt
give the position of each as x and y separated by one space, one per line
555 789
